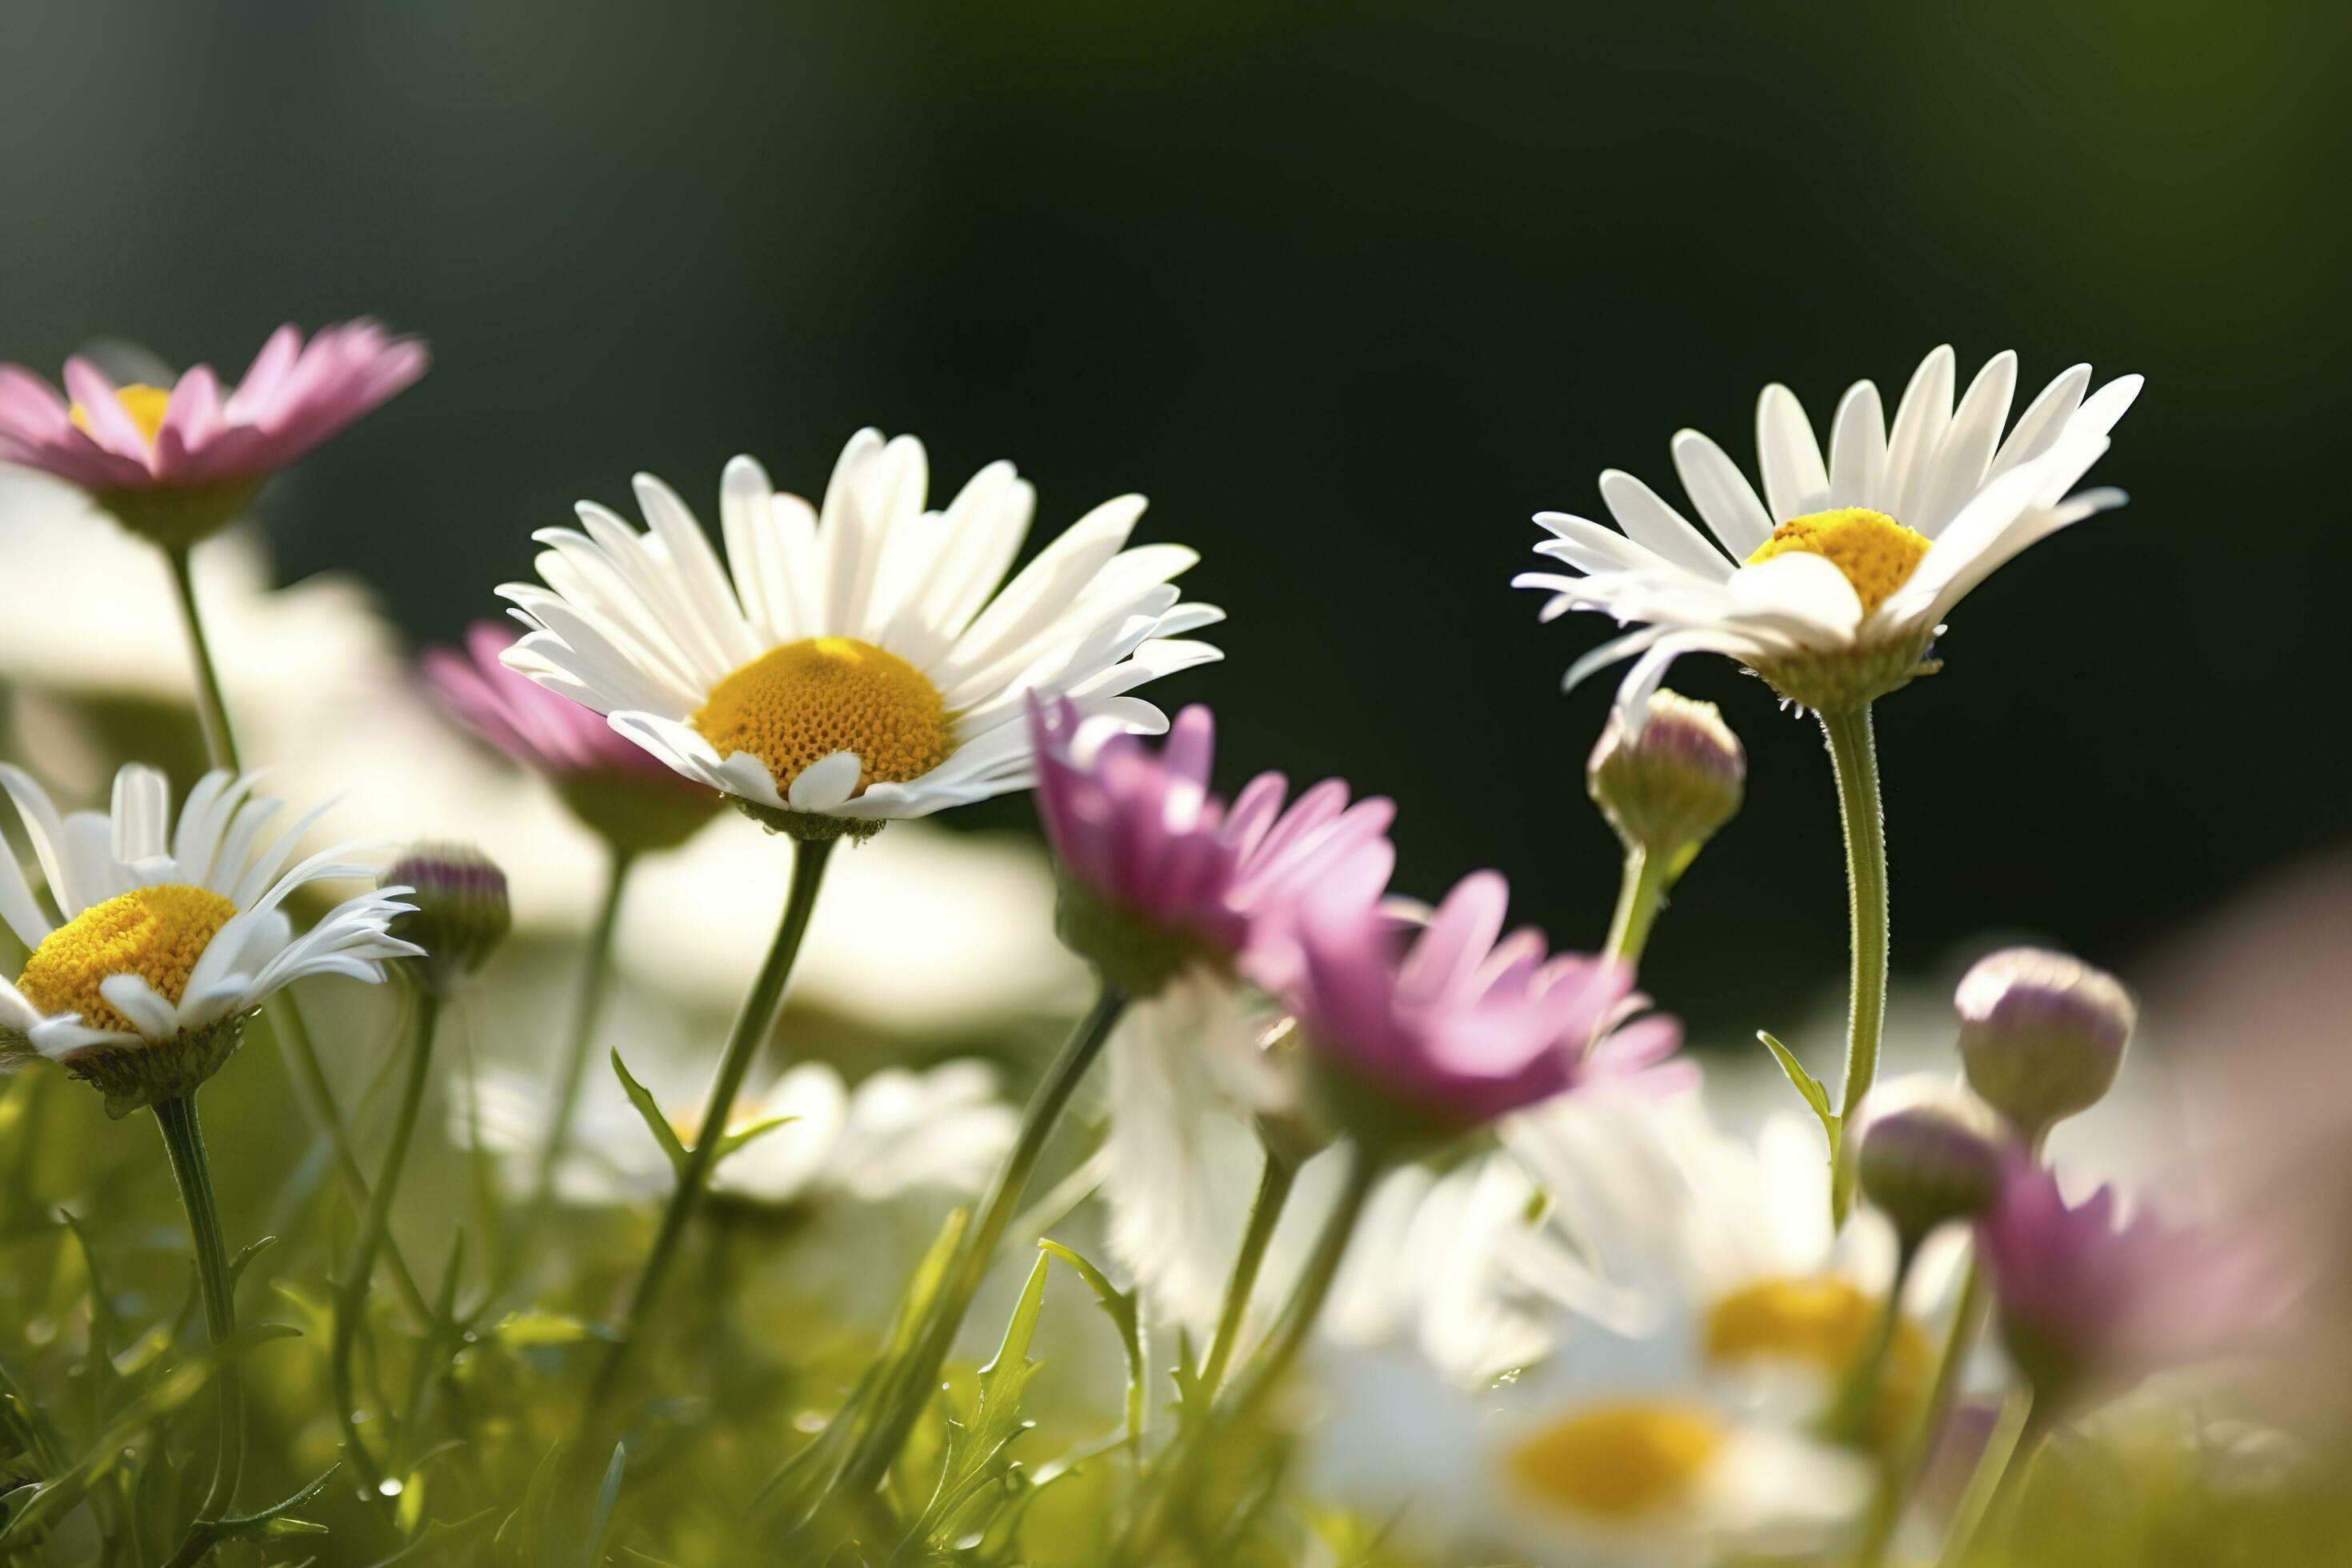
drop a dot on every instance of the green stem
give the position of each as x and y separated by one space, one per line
1273 1192
350 1297
183 1141
1989 1507
1289 1337
1991 1467
285 1017
753 1025
1853 755
911 1384
1854 1414
587 1012
212 709
1640 897
1178 1475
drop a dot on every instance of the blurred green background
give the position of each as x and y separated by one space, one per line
1349 291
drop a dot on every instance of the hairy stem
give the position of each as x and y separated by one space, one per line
1853 755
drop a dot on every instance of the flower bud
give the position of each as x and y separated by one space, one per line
1667 787
461 914
2041 1035
1923 1168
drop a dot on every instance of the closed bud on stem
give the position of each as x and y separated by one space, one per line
2041 1035
1669 786
1924 1168
461 914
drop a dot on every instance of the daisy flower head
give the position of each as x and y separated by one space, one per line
1671 1236
1423 1035
628 797
168 936
177 463
1833 583
1158 871
858 662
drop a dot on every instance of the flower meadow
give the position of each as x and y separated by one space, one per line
604 1120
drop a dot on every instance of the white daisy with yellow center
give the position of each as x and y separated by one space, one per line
166 936
857 663
1833 583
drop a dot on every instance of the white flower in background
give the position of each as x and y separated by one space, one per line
970 918
1833 584
1650 1466
857 664
897 1132
164 933
1181 1159
1681 1233
1182 1162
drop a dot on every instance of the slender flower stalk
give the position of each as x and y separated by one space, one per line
1639 898
285 1015
1989 1509
1273 1361
350 1300
587 1012
1854 755
1265 1212
183 1140
909 1386
753 1023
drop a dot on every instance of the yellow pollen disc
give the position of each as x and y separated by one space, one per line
155 933
1826 1324
145 405
800 703
1876 554
1618 1462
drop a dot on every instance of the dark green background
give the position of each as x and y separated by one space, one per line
1349 291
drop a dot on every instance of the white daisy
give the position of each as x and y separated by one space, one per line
1690 1240
1600 1459
897 1132
857 664
167 937
1833 584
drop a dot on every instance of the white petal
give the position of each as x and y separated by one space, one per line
130 996
1658 528
1920 421
1795 482
1722 494
825 783
1960 461
1858 449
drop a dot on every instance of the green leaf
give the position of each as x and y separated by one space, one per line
656 1122
253 1250
608 1493
437 1539
270 1519
1806 1085
1120 1307
736 1140
976 1445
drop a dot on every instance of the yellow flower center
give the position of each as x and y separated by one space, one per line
1876 554
157 933
145 405
1618 1462
800 703
1826 1324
